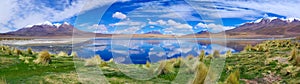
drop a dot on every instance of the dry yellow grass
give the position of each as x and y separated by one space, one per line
202 55
3 81
94 61
216 54
165 68
294 53
62 54
201 74
148 64
43 58
233 78
29 51
74 54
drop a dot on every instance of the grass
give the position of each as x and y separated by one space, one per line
276 60
233 78
62 54
201 74
202 56
43 58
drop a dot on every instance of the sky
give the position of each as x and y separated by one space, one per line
178 17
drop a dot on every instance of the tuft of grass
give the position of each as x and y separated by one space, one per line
229 53
216 54
8 52
148 64
297 61
201 74
3 81
94 61
248 48
202 56
17 52
74 54
178 63
29 51
25 59
44 57
190 57
233 78
294 53
165 68
62 54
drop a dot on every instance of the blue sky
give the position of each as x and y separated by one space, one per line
142 16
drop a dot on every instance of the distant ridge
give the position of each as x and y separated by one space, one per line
46 29
153 32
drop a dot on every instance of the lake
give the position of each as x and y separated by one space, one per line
139 51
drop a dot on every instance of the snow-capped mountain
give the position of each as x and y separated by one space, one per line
46 29
269 26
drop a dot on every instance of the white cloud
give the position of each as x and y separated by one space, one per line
128 23
249 9
119 15
280 7
130 30
214 28
173 27
18 14
98 28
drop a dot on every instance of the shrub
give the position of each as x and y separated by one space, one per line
29 51
202 56
233 78
94 61
62 54
201 74
294 53
216 54
165 68
43 58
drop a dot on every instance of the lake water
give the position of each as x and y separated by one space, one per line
139 51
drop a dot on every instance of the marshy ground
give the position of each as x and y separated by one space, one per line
276 61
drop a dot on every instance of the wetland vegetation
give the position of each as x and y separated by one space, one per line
274 61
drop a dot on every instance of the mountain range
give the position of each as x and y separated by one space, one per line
261 28
268 26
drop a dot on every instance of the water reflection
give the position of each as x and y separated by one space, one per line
139 51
